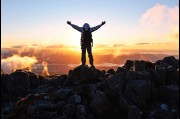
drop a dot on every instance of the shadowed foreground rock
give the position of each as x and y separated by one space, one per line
144 90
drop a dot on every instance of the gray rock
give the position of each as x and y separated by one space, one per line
131 75
76 99
160 75
8 88
139 65
120 70
81 112
134 112
170 94
116 83
21 83
111 71
171 60
100 102
138 92
128 65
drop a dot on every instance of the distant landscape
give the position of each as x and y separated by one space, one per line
61 63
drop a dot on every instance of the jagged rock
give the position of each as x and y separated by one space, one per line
123 104
7 107
116 83
177 76
139 65
81 112
100 102
111 71
134 112
131 75
34 80
171 60
97 74
128 65
142 94
63 117
42 79
69 110
171 76
144 76
86 89
160 111
138 92
82 73
170 94
58 80
120 70
7 86
103 71
161 63
107 75
63 93
160 75
149 66
60 105
76 99
21 83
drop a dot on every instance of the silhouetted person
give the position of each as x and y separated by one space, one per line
86 40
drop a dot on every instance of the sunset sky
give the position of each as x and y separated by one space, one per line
140 26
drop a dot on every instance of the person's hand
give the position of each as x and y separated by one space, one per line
103 22
68 22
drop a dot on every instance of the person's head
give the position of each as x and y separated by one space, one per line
86 26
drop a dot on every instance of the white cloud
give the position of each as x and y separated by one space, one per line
160 18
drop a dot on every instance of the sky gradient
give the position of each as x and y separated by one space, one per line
131 26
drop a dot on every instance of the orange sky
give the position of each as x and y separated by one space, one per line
153 28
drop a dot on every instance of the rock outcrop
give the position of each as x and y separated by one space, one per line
137 90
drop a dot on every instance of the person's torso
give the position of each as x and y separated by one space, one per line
86 37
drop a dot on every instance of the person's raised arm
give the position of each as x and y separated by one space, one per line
75 26
97 27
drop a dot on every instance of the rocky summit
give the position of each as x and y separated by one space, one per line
137 90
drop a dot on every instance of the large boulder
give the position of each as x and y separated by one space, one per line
81 112
171 60
86 92
134 112
170 94
58 80
34 80
149 66
111 71
138 92
172 76
80 73
131 75
120 70
139 65
69 110
160 75
100 102
7 87
21 82
97 75
116 83
128 64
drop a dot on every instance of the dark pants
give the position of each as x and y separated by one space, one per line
83 56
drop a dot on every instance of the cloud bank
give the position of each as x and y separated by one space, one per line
15 62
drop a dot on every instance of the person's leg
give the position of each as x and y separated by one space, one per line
83 54
89 50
